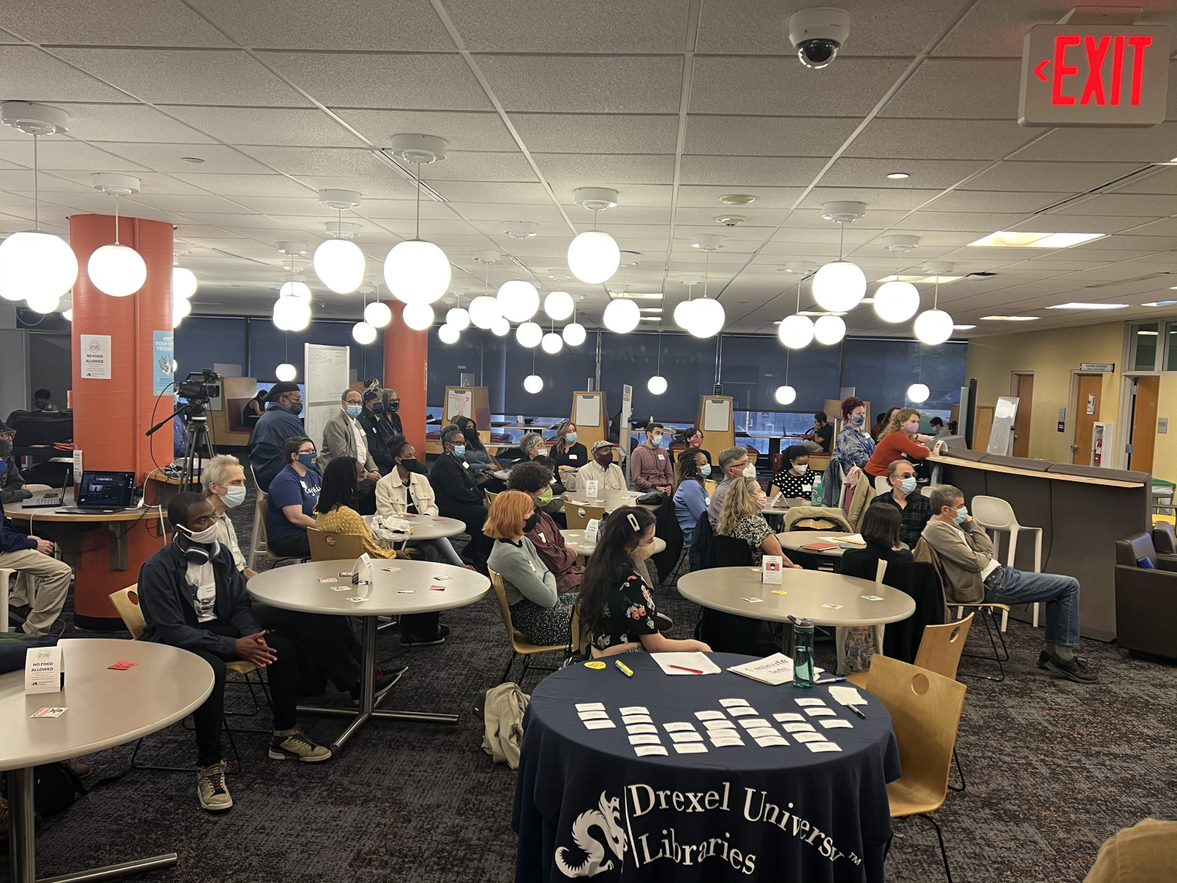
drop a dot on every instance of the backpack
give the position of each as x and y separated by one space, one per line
55 788
505 706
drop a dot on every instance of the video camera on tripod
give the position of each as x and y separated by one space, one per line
198 389
200 386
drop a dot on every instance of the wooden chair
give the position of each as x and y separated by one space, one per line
490 497
925 711
579 516
519 644
334 546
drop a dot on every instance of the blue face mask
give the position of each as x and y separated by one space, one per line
460 451
354 411
908 485
961 514
307 460
570 438
705 470
858 419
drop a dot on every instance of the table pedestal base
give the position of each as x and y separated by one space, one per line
22 845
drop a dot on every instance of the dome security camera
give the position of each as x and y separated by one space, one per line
818 34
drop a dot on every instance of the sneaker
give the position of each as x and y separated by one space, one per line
1044 657
212 790
79 768
1072 670
296 746
442 633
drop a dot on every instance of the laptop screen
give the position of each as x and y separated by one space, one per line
106 489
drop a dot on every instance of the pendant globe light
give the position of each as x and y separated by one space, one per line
934 326
43 303
116 269
286 372
457 316
533 383
448 334
785 394
418 316
657 384
840 285
552 342
484 309
574 333
33 263
897 300
292 309
416 271
518 300
501 327
918 392
594 256
683 309
363 332
796 331
339 263
621 316
529 334
829 330
706 315
559 305
184 281
181 310
377 314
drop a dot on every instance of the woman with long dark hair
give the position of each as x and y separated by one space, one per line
337 501
616 605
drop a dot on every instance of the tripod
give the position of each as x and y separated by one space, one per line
199 446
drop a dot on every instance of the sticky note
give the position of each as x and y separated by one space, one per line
779 592
832 606
760 732
49 712
751 722
328 580
122 665
636 719
751 600
871 597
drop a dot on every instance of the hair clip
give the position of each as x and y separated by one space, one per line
633 521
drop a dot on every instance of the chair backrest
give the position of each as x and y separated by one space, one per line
993 512
925 711
1164 539
730 552
942 645
811 518
579 516
582 636
490 498
500 590
334 546
126 602
1131 549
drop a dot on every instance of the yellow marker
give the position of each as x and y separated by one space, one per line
779 592
625 669
595 666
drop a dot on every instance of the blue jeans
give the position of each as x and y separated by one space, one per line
1007 585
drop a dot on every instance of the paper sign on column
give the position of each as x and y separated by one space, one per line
592 488
77 466
770 569
44 670
591 529
95 356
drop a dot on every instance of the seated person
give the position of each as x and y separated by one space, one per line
650 466
690 494
905 496
458 494
12 482
538 609
694 439
223 481
279 422
251 411
477 456
567 453
734 464
881 530
294 493
43 401
535 449
47 578
193 597
740 518
819 439
900 438
795 480
534 479
602 470
972 574
405 491
616 605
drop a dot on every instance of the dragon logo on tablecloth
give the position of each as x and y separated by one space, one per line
608 819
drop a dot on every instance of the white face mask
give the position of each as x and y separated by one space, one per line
749 471
233 496
204 537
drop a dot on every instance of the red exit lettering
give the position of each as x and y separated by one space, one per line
1090 54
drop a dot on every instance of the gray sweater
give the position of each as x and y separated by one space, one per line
524 574
965 554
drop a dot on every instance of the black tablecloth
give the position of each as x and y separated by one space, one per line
587 805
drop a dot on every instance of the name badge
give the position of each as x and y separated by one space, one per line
572 457
661 456
465 465
542 538
807 487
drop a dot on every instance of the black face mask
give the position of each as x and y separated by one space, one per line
294 408
5 449
394 405
378 409
409 463
471 435
530 523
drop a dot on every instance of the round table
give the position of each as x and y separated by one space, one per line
793 540
399 587
584 796
612 501
104 708
574 540
427 527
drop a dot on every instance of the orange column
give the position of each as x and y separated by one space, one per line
111 416
406 369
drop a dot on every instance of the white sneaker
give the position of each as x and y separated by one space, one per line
212 790
296 746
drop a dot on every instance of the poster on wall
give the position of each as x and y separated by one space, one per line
328 374
459 402
95 356
161 364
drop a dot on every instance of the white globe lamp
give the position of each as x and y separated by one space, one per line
559 305
656 385
377 314
594 257
458 318
117 270
785 395
417 272
796 332
181 309
933 327
896 301
682 314
448 334
418 316
706 317
340 265
552 343
33 263
285 372
43 303
828 330
533 383
918 393
574 334
184 282
839 286
363 333
621 316
300 290
518 300
291 314
529 334
500 327
68 315
484 310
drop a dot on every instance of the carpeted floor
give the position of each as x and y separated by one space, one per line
1053 769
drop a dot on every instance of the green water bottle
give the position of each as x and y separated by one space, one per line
802 653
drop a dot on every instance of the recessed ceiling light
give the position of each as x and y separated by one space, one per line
737 199
898 176
650 309
922 278
1081 306
1024 239
964 327
650 319
1008 318
192 159
636 295
1160 303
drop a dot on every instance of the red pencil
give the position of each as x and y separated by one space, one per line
684 668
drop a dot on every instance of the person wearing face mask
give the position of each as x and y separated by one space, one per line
194 597
540 609
796 479
377 444
534 479
535 449
223 481
567 453
280 422
390 419
900 440
12 482
407 491
603 470
459 496
854 445
741 519
734 463
294 493
690 493
344 436
964 553
650 467
914 508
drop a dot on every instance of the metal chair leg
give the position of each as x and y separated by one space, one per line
959 789
943 851
997 657
507 669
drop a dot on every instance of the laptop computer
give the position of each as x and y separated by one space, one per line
48 499
103 493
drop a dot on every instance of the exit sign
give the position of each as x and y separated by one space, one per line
1094 75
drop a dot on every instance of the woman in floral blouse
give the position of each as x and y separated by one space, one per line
616 605
854 446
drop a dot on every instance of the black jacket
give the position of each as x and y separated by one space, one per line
576 456
168 602
453 484
376 446
902 639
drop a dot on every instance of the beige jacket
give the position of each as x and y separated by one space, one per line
1146 851
339 440
962 553
393 500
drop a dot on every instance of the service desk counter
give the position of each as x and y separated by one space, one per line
1082 512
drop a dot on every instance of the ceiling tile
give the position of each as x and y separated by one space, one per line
182 204
182 76
749 171
513 193
380 183
925 173
1127 204
940 139
596 133
167 158
127 23
463 131
876 199
766 136
982 223
989 201
1059 222
947 89
564 170
1161 179
126 122
272 184
1076 177
698 196
480 166
37 76
288 127
62 153
651 195
585 84
320 160
1157 144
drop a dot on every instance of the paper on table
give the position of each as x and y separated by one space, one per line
835 723
771 741
709 715
753 722
783 716
686 737
590 706
631 719
719 725
593 715
649 750
823 746
847 696
773 670
741 711
644 740
797 728
851 539
727 743
820 712
679 727
693 661
633 709
728 703
635 729
809 737
690 747
599 725
804 703
759 733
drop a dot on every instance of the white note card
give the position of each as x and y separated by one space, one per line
600 725
690 747
590 706
818 747
809 737
836 723
635 729
650 751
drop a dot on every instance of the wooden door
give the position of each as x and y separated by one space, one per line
984 427
1144 424
1024 390
1087 397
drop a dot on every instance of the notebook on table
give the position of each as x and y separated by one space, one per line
103 493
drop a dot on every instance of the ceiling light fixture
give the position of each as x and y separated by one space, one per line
1025 239
448 334
338 261
484 309
785 394
559 305
963 327
417 271
829 330
529 334
457 316
1160 303
292 309
418 317
621 316
840 285
377 313
1074 305
918 393
898 176
501 327
897 301
737 199
934 326
706 316
1008 318
796 331
518 300
552 343
519 230
117 270
594 256
533 383
574 333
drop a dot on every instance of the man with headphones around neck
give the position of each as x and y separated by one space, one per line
193 597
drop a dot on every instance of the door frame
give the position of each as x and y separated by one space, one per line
1076 373
1014 374
1125 414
